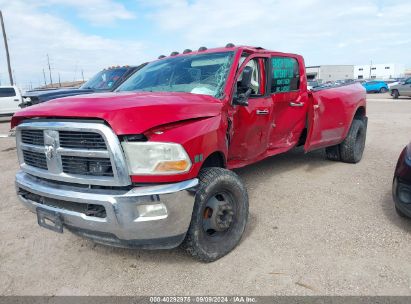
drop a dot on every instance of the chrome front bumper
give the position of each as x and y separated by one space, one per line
122 225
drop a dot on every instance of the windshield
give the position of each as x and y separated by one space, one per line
197 74
104 80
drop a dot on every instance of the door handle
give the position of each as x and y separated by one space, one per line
296 104
16 99
262 112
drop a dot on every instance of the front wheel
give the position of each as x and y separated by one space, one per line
395 94
383 90
219 216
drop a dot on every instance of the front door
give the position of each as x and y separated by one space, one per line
8 100
405 89
251 123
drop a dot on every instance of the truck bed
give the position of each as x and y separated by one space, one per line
331 112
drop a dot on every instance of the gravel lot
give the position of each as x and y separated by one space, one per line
316 227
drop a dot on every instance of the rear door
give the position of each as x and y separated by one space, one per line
405 89
288 91
9 100
375 86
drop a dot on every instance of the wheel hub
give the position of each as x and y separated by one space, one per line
218 215
224 217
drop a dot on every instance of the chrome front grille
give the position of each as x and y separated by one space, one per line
35 159
82 140
32 137
86 165
77 152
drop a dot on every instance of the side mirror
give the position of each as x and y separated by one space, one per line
244 91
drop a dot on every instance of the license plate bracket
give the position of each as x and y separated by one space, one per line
49 219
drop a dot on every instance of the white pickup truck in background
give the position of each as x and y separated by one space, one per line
10 98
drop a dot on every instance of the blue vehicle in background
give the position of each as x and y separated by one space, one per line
375 86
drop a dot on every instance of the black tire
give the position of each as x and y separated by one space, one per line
202 243
395 94
333 153
383 90
352 148
400 213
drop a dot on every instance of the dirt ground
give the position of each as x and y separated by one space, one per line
316 227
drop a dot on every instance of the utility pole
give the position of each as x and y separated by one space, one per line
82 74
48 62
75 72
7 48
44 76
59 81
370 69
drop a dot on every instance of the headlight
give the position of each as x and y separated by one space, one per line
156 158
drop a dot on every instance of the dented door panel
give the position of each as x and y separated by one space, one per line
251 123
289 98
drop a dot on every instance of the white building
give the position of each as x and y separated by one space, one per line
378 71
326 73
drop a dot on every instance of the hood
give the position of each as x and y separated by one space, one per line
42 96
396 85
127 112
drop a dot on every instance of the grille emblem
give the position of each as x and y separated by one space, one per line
51 138
49 152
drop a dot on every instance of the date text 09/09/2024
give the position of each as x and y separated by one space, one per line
203 299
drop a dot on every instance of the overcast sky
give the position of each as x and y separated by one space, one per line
92 34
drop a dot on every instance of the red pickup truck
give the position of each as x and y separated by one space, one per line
150 164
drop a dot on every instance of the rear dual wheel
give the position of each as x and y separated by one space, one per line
219 216
352 148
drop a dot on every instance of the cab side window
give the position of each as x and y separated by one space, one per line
255 79
7 92
285 75
408 81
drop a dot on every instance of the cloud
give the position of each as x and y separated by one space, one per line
323 31
32 34
98 12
